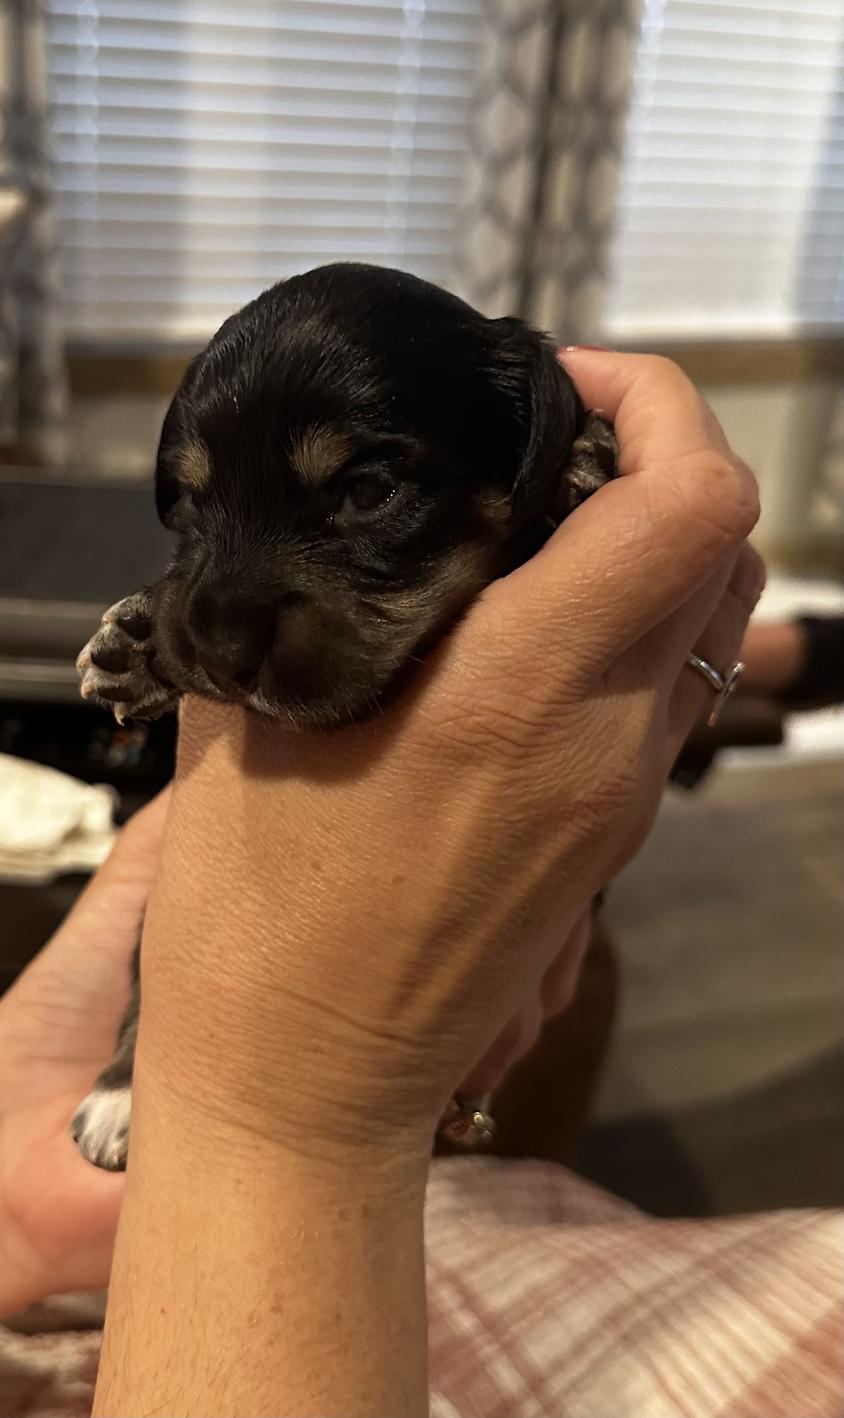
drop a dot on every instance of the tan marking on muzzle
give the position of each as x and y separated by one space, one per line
452 584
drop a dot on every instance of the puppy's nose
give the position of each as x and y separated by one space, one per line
230 639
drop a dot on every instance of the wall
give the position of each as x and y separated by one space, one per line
792 435
790 432
115 433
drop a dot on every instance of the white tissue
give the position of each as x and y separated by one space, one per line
50 823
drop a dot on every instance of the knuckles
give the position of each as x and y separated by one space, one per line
560 772
734 495
714 499
718 480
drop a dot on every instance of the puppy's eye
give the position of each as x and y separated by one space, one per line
366 492
180 513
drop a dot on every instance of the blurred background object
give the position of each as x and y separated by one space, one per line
660 174
33 383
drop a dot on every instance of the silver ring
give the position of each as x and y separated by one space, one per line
724 685
467 1125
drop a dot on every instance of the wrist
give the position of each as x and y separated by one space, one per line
225 1121
244 1049
304 1274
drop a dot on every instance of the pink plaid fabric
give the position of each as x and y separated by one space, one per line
550 1299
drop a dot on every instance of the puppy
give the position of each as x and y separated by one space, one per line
351 459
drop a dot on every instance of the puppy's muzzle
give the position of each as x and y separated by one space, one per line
231 637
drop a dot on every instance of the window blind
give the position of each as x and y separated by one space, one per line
204 149
731 214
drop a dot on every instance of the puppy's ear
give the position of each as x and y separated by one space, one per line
173 445
548 412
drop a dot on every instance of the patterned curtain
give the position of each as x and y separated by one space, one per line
547 129
32 374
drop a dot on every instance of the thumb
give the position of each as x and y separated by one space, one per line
642 544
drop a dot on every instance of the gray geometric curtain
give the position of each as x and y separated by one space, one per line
32 373
547 131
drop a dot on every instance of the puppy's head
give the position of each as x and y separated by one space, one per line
354 456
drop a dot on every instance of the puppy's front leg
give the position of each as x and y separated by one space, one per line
100 1127
117 666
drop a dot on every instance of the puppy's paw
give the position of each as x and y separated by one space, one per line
100 1128
593 462
115 667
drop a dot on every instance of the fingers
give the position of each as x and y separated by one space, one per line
113 902
79 981
657 412
642 545
719 642
519 1035
148 821
521 1032
560 980
660 656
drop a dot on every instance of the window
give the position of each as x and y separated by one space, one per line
731 212
207 148
204 149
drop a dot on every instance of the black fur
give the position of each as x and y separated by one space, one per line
465 439
274 589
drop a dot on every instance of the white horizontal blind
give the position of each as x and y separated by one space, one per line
206 148
732 197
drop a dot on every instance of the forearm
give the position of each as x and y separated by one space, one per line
250 1280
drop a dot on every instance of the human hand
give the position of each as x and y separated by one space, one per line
344 921
58 1024
549 996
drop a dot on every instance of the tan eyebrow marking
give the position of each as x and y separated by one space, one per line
318 453
194 466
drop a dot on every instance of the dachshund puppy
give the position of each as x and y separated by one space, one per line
353 457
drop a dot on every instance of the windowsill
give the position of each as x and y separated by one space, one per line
122 368
751 360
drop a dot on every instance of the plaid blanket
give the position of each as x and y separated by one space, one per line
548 1297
